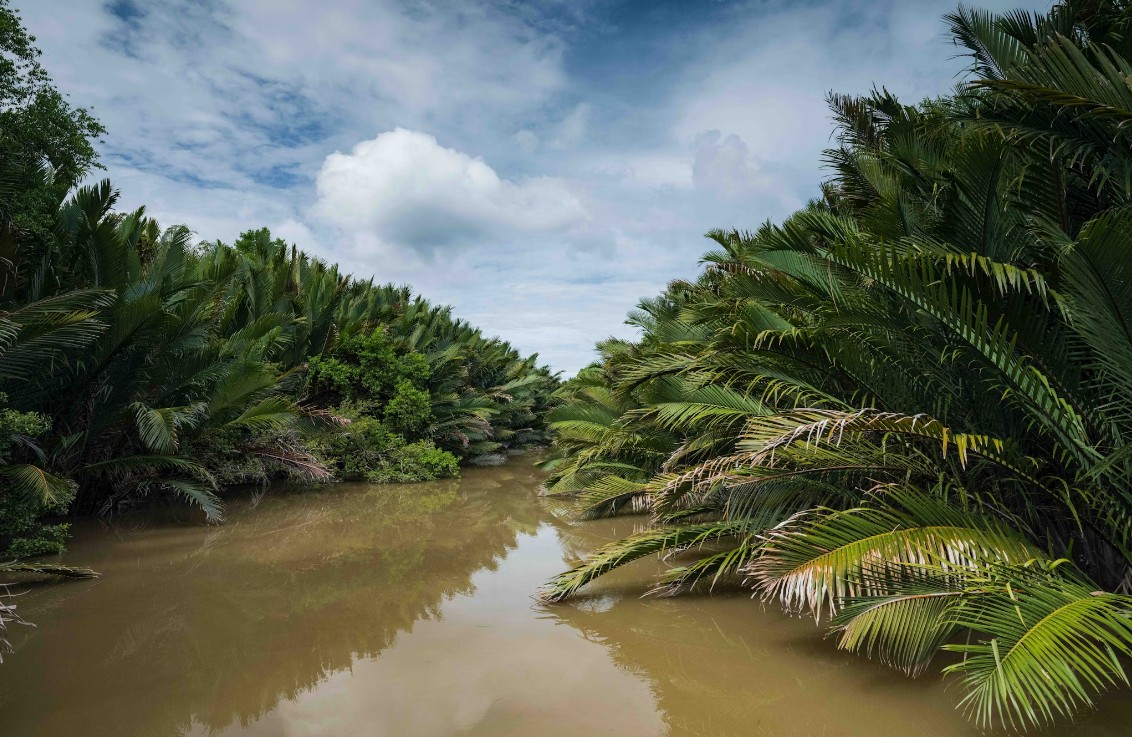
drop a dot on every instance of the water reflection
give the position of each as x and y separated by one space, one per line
728 667
370 610
212 627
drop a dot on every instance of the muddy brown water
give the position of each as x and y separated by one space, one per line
408 611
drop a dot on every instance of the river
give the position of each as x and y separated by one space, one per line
407 611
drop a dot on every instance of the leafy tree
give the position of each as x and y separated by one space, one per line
367 370
409 409
163 368
46 147
367 450
138 364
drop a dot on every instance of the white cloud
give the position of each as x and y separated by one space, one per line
597 179
766 80
647 170
723 166
254 94
479 667
405 188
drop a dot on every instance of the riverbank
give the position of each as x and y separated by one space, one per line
408 609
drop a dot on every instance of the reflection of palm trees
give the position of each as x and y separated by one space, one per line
678 674
578 540
231 620
716 665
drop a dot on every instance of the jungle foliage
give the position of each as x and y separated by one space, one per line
135 362
906 410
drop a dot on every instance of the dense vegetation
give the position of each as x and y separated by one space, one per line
907 409
135 362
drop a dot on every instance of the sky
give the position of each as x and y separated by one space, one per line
540 165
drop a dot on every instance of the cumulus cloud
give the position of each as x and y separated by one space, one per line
602 163
765 81
723 166
405 188
252 95
484 674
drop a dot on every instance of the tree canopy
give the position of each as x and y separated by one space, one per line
135 362
904 410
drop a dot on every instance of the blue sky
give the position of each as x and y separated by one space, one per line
539 165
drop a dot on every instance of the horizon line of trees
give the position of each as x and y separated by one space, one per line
906 410
136 363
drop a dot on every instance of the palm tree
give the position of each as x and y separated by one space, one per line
904 409
143 354
32 336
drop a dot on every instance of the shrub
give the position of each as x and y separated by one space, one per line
368 450
243 456
22 534
366 370
410 409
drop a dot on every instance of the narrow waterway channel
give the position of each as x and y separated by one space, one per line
408 611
